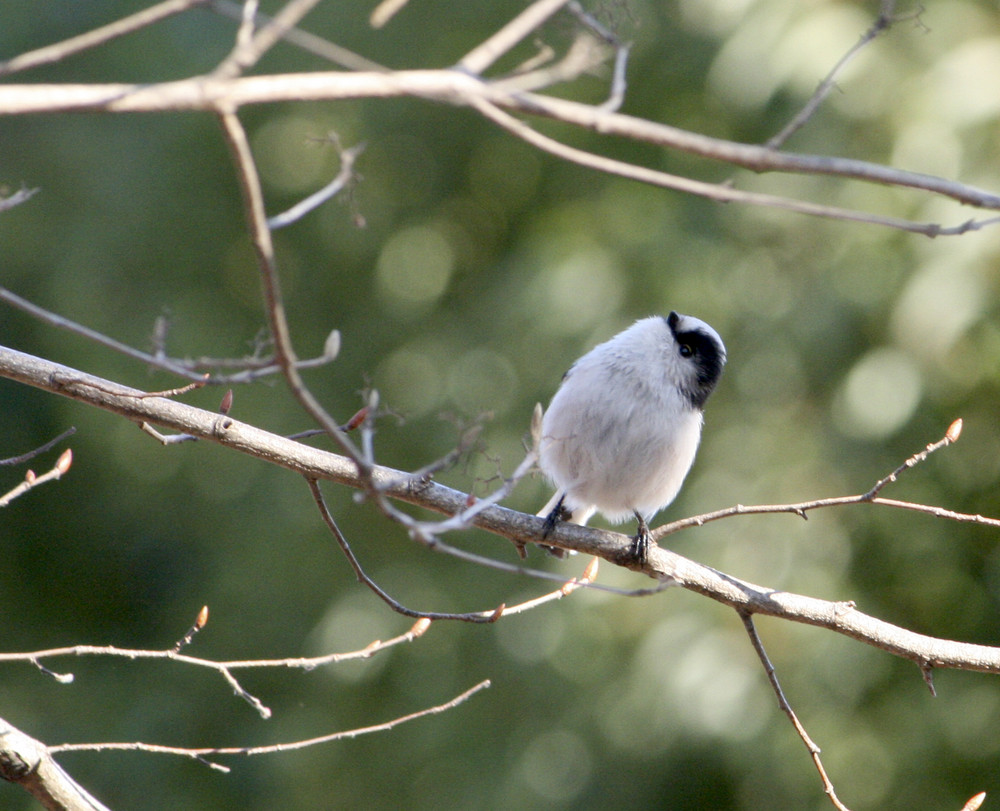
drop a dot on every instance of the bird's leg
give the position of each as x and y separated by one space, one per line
556 514
642 542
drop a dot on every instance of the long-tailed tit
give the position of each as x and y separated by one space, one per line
622 431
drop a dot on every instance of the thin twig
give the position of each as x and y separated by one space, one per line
772 677
583 55
250 45
712 191
308 42
201 754
385 11
871 497
26 457
20 196
489 51
260 235
223 668
63 464
315 200
618 84
253 369
99 36
886 18
488 616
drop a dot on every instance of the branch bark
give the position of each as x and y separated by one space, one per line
457 88
748 598
27 762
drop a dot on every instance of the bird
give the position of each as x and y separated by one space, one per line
622 430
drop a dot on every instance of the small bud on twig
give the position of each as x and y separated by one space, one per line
974 802
420 626
30 476
65 461
227 402
954 431
331 347
359 417
200 622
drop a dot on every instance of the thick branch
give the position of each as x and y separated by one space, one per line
841 617
27 762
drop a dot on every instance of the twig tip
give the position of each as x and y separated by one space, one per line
65 461
975 802
954 431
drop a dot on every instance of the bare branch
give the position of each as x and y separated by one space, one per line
29 763
315 200
253 369
488 52
201 754
31 481
662 564
260 235
772 677
99 36
27 457
882 23
454 87
18 197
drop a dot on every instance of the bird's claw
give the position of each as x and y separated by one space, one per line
557 514
642 542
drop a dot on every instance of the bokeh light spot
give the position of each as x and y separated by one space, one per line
878 395
415 266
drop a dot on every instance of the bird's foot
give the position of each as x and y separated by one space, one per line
557 514
642 542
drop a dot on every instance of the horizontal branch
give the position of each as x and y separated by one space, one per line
268 749
455 87
842 617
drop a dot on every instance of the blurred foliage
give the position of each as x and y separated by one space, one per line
482 270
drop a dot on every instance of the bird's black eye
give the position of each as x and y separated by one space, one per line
686 351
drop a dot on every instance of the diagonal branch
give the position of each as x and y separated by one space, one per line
97 37
488 52
29 763
842 617
883 22
772 677
260 236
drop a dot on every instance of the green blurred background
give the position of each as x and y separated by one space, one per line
482 271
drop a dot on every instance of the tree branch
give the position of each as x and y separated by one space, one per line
842 617
203 753
454 87
29 763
